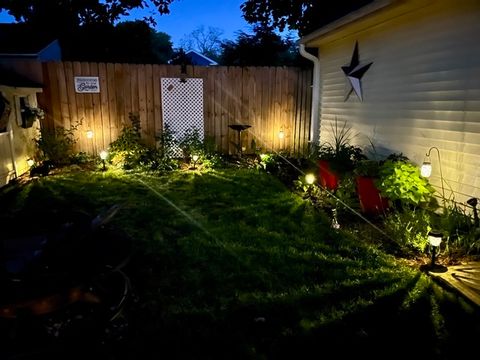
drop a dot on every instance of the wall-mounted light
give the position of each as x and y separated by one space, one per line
103 156
426 169
89 134
30 162
281 134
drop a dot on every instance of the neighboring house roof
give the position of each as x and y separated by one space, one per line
199 59
12 79
18 41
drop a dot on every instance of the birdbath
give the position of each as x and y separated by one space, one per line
239 128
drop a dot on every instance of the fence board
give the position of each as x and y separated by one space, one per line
112 108
150 128
104 111
54 116
267 98
157 101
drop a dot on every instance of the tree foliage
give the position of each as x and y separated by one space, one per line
262 48
76 12
302 15
87 32
207 41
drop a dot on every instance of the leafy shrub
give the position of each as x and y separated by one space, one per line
212 161
341 155
409 229
56 146
347 194
211 158
127 150
82 158
191 143
268 162
129 153
401 181
368 168
460 234
313 193
163 157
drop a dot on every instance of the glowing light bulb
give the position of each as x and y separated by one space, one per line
426 169
310 179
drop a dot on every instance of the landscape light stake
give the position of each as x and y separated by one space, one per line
435 239
103 156
473 203
310 180
195 159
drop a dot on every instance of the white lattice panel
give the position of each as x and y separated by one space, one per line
182 104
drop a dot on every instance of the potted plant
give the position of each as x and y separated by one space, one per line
367 174
338 157
30 115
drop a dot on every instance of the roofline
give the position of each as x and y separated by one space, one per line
19 55
203 56
21 88
347 19
32 55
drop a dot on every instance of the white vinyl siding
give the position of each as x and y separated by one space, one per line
422 90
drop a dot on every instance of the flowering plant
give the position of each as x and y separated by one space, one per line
33 112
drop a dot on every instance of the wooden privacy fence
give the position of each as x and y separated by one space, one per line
270 99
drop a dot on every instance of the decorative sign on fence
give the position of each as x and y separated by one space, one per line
87 84
182 104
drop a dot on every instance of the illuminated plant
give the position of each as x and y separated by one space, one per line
401 181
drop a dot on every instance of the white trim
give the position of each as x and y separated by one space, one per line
213 62
315 112
347 19
28 54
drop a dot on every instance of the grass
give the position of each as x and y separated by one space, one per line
230 264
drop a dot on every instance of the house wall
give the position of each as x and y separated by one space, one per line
17 141
422 90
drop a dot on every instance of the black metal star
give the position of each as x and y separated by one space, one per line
354 73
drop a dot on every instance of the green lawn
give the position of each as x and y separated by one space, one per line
232 264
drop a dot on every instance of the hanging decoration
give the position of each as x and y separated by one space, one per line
354 73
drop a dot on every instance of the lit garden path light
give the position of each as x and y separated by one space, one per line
435 240
310 180
473 203
195 159
426 169
103 156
